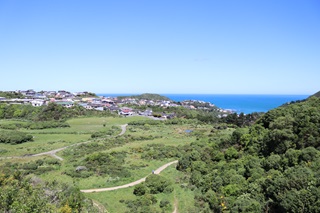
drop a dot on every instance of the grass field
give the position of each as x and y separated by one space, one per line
183 198
136 137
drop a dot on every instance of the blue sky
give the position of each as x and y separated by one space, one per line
161 46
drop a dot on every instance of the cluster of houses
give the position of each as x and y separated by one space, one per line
91 101
84 99
67 99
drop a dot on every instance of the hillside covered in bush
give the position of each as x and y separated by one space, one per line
271 166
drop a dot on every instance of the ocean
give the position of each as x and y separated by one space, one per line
237 103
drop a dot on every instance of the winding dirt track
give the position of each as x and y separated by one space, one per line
129 184
53 152
100 207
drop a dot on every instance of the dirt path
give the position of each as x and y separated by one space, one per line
123 129
53 152
99 206
129 184
175 205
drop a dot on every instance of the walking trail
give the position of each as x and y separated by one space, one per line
53 152
129 184
98 205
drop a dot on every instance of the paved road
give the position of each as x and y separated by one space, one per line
129 184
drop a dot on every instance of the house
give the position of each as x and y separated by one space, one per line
147 112
113 108
107 101
50 93
125 111
67 104
37 102
28 93
39 96
99 108
85 105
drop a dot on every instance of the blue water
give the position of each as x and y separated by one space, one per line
238 103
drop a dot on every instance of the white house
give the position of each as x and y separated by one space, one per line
37 102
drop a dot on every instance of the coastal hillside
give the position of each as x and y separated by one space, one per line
147 96
271 166
316 95
235 163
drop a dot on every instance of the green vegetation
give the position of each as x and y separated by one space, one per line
49 112
316 95
271 166
145 200
147 96
10 95
14 137
239 163
30 194
33 125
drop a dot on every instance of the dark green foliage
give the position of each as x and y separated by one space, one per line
114 130
39 166
53 111
143 122
316 95
159 151
21 194
49 112
10 95
140 190
270 166
14 137
17 111
146 96
292 126
145 200
143 204
111 164
241 120
158 184
35 125
165 204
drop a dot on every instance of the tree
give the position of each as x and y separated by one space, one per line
158 184
140 190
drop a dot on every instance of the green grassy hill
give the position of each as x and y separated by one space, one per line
147 96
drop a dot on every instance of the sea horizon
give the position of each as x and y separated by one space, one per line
245 103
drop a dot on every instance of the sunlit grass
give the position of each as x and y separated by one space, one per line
80 131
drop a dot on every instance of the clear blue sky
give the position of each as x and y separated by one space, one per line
161 46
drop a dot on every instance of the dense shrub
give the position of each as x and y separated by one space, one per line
111 164
35 125
114 130
143 122
158 184
14 137
270 166
21 194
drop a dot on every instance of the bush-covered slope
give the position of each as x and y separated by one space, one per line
271 166
147 96
316 95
